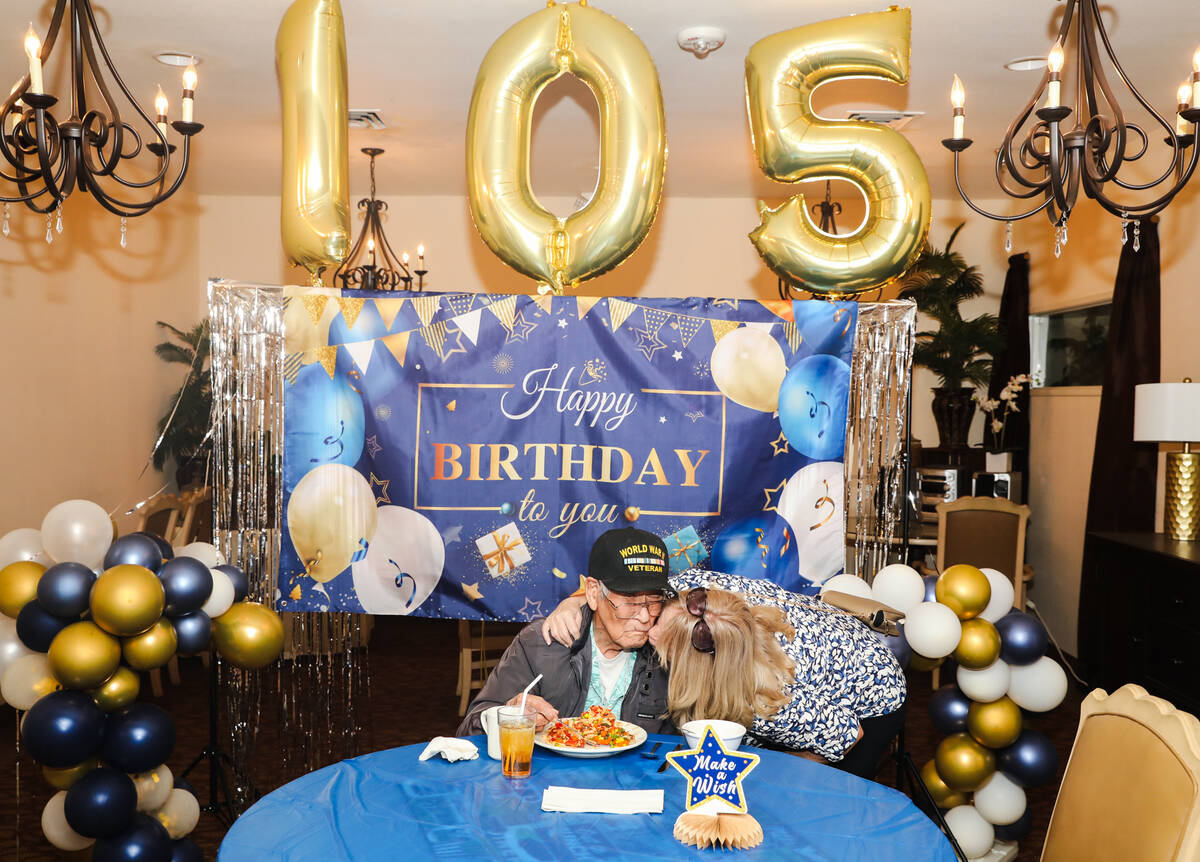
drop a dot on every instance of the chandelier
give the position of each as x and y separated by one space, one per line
46 158
371 263
1085 145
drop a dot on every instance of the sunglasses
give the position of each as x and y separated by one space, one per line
697 603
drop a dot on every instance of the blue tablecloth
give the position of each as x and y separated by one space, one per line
389 805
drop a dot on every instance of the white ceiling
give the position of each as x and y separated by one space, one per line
415 61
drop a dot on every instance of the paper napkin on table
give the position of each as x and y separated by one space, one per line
582 799
450 748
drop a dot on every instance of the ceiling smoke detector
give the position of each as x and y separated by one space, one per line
893 119
701 41
367 118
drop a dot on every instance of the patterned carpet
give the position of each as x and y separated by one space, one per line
413 665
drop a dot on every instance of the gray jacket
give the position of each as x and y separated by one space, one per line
566 674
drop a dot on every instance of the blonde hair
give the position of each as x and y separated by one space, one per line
742 678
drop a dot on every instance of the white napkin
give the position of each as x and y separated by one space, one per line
450 748
583 799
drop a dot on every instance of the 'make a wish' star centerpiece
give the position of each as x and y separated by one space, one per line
716 814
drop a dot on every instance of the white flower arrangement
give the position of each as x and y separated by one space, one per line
999 408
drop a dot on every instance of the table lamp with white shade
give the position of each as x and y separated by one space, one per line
1170 412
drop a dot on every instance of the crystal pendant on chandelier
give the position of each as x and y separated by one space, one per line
58 220
5 229
123 240
49 231
1008 237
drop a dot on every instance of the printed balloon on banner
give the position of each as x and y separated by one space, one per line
812 406
331 518
331 429
759 546
748 366
812 503
306 322
824 327
403 563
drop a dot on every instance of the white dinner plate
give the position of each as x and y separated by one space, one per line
638 733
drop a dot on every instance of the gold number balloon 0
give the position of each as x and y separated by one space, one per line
607 56
310 51
793 144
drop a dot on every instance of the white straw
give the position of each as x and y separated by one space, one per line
525 693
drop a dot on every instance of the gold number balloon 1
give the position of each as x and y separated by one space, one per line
607 56
310 51
793 144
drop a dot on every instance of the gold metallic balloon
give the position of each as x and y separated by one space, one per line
126 600
943 796
310 52
920 662
331 517
62 779
83 655
963 763
118 691
607 56
995 724
18 585
792 144
152 648
248 635
979 645
964 589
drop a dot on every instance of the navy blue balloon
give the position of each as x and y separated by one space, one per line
241 583
36 626
101 804
898 644
948 710
1023 638
330 429
185 850
144 840
164 546
1029 761
63 728
739 549
1017 830
139 738
930 588
193 632
134 550
812 406
822 328
187 583
64 589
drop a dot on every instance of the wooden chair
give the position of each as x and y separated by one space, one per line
1131 790
480 645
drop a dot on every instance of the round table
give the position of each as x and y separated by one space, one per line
389 805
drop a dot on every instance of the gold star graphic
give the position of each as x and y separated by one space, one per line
779 445
381 496
770 506
471 591
452 406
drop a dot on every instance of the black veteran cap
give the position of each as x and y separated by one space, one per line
629 560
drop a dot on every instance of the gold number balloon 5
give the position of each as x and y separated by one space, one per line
607 56
310 51
793 144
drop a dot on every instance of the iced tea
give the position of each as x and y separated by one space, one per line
516 740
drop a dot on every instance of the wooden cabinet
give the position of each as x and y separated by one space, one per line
1139 615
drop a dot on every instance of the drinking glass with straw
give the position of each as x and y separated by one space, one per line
517 725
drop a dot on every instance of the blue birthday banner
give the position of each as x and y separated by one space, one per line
456 455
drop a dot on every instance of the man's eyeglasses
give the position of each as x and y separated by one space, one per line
632 610
697 603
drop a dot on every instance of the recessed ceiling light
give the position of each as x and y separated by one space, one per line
175 58
1026 64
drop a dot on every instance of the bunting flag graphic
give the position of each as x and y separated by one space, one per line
792 333
544 301
435 336
327 356
351 307
586 304
360 352
469 324
388 309
314 304
426 307
688 327
397 345
460 303
781 308
619 311
655 318
505 311
721 328
291 366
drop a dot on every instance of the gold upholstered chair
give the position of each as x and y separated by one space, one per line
988 533
1131 791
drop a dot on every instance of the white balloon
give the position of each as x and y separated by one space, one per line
986 684
974 834
932 629
1038 687
28 680
900 586
77 531
11 647
850 584
153 788
202 551
999 800
1002 596
403 563
58 830
24 543
221 598
180 814
811 503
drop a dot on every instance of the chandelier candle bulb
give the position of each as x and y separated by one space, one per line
421 255
958 98
160 108
1196 79
1054 62
1181 124
189 92
33 49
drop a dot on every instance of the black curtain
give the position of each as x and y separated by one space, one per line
1012 359
1121 497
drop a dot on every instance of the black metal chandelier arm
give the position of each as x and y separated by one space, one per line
1103 176
133 209
112 68
1061 163
1005 170
967 200
1149 208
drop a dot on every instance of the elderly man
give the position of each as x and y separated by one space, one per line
610 663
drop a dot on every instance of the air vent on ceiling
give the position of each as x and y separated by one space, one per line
894 119
361 118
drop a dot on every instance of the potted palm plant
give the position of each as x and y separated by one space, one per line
185 425
959 351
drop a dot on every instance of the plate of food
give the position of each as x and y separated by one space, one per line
596 733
